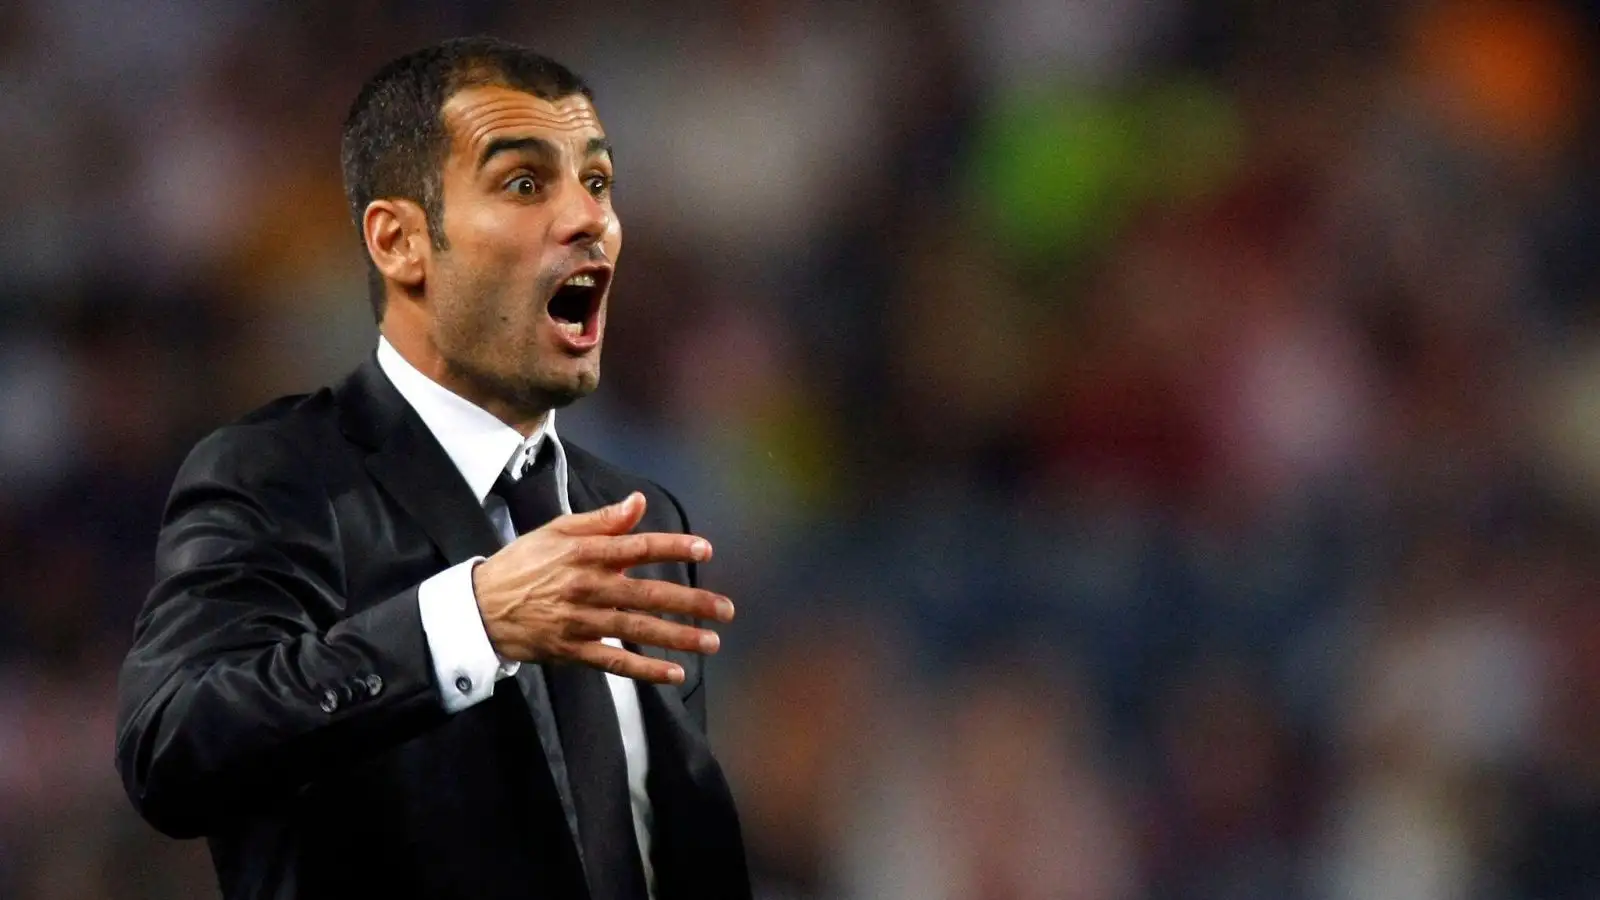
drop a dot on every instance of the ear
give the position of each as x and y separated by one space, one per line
396 233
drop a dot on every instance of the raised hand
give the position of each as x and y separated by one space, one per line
553 594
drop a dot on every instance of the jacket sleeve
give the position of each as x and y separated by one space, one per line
247 680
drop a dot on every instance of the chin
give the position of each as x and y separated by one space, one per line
564 392
562 400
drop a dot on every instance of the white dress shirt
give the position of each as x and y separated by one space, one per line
465 665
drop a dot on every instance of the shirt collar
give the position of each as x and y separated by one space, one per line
480 445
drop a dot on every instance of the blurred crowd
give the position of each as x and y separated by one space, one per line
1154 444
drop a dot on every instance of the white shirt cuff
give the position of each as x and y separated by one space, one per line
465 665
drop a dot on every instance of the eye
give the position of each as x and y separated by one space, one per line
599 185
523 186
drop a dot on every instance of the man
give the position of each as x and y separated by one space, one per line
406 641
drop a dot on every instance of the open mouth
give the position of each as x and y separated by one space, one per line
575 306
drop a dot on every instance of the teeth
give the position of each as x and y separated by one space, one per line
573 328
583 280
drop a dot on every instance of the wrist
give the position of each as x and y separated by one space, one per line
483 595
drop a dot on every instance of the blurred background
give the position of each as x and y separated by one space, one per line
1154 444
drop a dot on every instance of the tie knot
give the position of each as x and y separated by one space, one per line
542 460
533 499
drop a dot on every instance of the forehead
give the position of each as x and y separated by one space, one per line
477 115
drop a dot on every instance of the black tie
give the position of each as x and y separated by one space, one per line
586 718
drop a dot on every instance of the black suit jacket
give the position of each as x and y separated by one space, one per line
279 697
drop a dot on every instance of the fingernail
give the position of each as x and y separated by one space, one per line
700 550
676 675
725 609
709 642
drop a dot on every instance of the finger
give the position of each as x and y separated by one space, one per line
628 550
618 518
617 661
649 595
644 629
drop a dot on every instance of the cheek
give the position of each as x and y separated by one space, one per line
501 240
503 262
613 239
487 230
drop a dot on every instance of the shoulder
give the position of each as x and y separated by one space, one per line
279 441
613 482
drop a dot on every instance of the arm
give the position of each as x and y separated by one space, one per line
245 681
465 666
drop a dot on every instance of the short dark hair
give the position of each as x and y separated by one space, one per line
394 141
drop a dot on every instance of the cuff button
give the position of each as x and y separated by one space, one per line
330 701
374 685
463 684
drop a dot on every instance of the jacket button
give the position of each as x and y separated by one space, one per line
463 684
330 701
374 685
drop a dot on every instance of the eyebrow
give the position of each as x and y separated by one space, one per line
538 147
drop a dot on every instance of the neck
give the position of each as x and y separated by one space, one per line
425 357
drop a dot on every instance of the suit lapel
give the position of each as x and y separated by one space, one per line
415 471
408 462
580 495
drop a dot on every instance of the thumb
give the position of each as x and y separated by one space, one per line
618 518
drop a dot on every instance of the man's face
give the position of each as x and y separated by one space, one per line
519 297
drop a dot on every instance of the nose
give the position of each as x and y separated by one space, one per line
583 220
